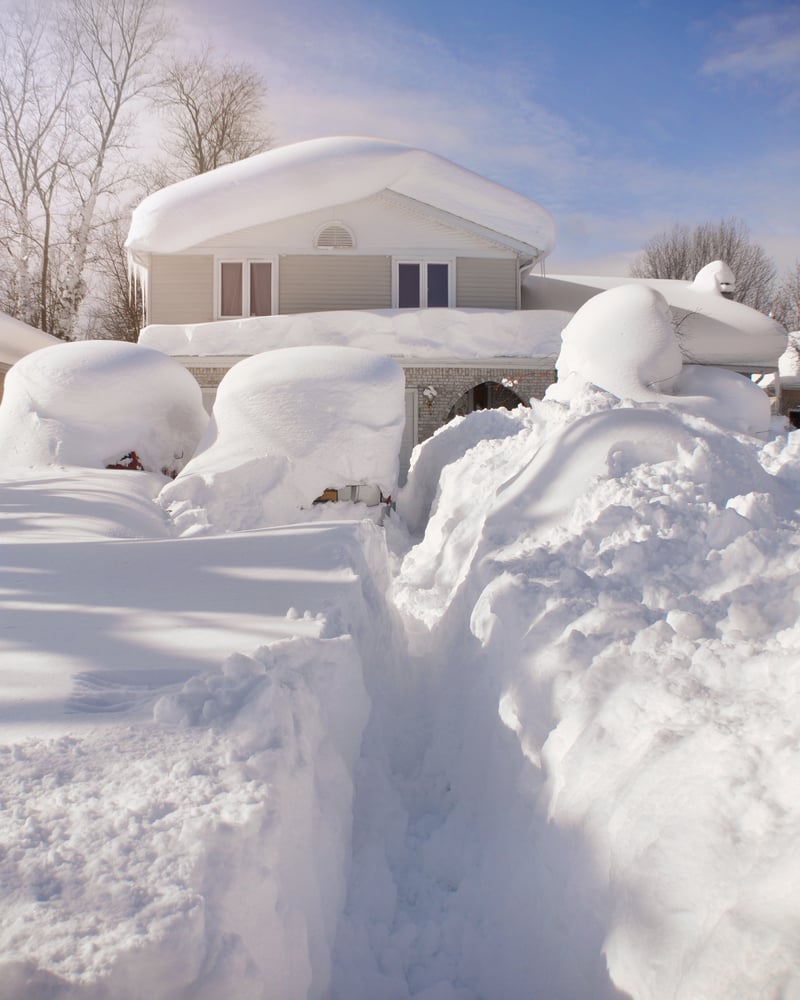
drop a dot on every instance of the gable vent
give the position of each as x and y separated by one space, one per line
335 237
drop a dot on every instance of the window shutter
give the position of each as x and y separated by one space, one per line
335 237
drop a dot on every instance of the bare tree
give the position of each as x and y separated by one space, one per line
215 114
682 252
36 80
115 311
787 299
114 42
66 86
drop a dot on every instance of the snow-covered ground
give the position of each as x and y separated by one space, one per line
538 735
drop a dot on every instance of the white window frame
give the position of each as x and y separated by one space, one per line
245 260
423 290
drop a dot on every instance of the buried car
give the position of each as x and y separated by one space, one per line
100 404
288 427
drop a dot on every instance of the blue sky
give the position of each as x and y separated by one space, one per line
622 118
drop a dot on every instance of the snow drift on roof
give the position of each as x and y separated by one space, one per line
18 339
399 333
318 173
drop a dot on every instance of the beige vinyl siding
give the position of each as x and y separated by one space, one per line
483 283
181 289
318 283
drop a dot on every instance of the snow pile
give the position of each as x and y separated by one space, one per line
287 425
320 173
625 601
206 851
399 333
92 403
623 341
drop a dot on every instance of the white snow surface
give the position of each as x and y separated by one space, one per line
400 333
91 403
321 173
287 425
537 736
18 339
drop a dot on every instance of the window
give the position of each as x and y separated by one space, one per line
243 282
423 285
230 284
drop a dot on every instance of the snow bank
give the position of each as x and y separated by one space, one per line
623 341
287 425
320 173
617 582
91 403
400 333
18 339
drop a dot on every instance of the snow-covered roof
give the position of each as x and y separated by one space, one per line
18 339
713 329
319 173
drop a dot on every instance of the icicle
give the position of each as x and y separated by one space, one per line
138 282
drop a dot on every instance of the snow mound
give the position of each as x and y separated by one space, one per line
624 341
286 426
92 403
318 173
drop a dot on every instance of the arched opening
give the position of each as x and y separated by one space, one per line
486 396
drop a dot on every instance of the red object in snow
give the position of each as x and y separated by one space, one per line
129 461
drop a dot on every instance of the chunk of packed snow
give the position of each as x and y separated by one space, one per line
286 426
319 173
399 333
623 340
94 403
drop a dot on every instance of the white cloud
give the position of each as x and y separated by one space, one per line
765 45
349 68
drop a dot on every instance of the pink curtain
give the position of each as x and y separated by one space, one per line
231 288
260 289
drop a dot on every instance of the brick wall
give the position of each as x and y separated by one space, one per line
450 383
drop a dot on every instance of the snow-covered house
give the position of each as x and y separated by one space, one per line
350 231
370 243
330 224
17 339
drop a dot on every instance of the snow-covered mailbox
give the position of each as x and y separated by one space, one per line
358 242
